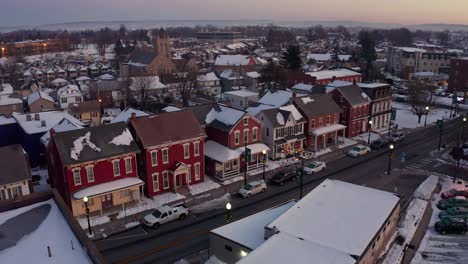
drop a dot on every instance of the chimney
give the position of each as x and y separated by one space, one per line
133 115
37 117
333 78
52 132
354 82
292 97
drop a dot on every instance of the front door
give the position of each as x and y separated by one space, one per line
179 180
106 201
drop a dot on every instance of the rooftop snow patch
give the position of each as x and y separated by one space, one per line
280 118
226 115
307 100
79 143
123 139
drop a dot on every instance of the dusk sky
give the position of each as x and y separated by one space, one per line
38 12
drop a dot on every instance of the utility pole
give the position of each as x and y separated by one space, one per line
440 125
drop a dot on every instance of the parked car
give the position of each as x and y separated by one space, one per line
454 213
452 202
165 214
252 188
395 137
358 151
454 193
283 176
450 227
379 143
314 167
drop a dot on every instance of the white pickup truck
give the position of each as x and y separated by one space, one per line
165 214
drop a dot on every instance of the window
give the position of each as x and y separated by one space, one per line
228 248
246 136
236 137
17 191
128 165
166 179
320 121
77 177
13 107
154 158
64 100
116 165
328 119
197 171
267 132
254 134
125 193
165 153
90 173
156 182
196 148
246 121
312 123
186 151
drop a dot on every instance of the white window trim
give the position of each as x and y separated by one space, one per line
155 186
168 183
195 153
162 153
254 133
131 165
197 175
243 135
187 145
87 174
244 121
113 169
79 173
237 132
151 157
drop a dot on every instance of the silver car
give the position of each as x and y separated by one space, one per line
252 188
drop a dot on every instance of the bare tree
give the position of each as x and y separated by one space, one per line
421 98
184 82
139 87
459 159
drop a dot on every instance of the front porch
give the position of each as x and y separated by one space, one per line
320 136
286 147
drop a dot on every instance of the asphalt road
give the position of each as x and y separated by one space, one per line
179 239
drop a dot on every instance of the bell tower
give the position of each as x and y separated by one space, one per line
162 44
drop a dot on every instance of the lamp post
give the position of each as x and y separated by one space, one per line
85 200
427 112
390 156
300 173
228 216
462 138
264 162
370 128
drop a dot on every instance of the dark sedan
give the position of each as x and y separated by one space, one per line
379 143
283 176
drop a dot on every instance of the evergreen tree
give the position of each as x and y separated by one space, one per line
368 53
273 76
291 59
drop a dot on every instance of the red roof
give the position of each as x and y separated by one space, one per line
166 128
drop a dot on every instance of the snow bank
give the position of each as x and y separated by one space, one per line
202 187
426 188
214 204
123 139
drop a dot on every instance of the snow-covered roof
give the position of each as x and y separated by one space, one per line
59 81
171 108
106 77
127 113
249 231
327 57
232 60
52 118
319 216
38 95
277 98
372 85
63 125
336 83
328 129
291 108
7 100
6 89
69 90
153 81
303 87
254 148
107 187
219 152
284 248
53 232
226 115
254 110
211 76
329 74
410 49
83 78
253 74
6 121
242 93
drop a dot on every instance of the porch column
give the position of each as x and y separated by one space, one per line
175 183
224 166
238 165
344 133
336 137
325 141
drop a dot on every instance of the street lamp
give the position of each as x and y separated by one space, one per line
228 216
370 128
300 172
462 130
390 156
427 112
85 200
264 162
3 52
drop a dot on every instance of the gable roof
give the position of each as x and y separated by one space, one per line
141 57
276 98
165 128
217 115
15 166
92 143
125 115
234 60
353 94
316 105
83 107
276 116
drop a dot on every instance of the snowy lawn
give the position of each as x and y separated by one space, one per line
205 186
53 232
42 185
214 204
448 101
436 248
407 119
347 142
447 159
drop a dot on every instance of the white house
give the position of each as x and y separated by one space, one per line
68 95
240 99
209 84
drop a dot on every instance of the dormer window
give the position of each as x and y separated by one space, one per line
246 121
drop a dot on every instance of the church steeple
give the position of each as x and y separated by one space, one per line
162 43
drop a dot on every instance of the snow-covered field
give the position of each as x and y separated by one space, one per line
437 248
406 119
89 50
53 232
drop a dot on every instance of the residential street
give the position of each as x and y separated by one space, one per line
176 240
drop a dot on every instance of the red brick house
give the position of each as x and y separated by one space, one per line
238 63
322 115
172 154
356 108
229 131
96 162
328 76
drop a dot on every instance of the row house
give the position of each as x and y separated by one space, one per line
10 104
69 94
15 176
322 115
355 105
283 130
380 95
87 112
230 132
40 101
209 84
328 76
98 163
172 156
239 63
